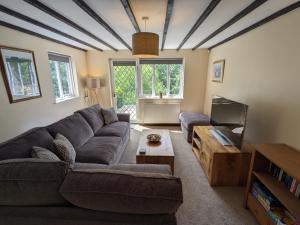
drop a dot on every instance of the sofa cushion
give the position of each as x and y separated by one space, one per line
27 182
89 166
99 150
143 168
189 120
74 128
123 192
109 115
118 129
21 146
43 153
65 149
93 116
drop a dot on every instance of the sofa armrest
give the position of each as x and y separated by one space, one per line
124 117
123 191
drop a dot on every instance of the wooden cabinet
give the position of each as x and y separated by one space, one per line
223 165
286 158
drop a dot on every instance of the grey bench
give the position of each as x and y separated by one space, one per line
188 120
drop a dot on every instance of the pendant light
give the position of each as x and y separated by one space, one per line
145 44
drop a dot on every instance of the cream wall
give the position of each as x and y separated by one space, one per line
262 69
19 117
194 80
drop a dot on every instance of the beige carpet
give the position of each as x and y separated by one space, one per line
203 205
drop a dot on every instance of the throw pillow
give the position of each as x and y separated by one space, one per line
65 149
109 115
43 153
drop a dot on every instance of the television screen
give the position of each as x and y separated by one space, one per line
229 119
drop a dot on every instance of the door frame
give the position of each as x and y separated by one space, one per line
112 85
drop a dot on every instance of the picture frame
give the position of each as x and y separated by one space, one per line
218 70
19 74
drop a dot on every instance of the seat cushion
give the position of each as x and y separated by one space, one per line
143 168
21 146
102 150
74 128
29 182
93 116
89 166
123 192
189 120
118 129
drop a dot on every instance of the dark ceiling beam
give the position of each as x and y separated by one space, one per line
233 20
21 29
169 12
85 7
260 23
130 14
44 26
200 20
65 20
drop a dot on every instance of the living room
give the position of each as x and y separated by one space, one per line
88 85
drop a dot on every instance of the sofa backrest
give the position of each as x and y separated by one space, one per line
74 128
21 146
93 116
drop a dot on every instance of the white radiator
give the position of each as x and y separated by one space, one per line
161 113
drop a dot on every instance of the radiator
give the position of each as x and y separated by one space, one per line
161 113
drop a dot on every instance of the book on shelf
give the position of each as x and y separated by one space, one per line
278 214
291 183
264 196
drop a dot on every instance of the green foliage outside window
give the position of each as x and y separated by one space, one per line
125 85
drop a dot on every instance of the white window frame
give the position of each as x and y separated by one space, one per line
168 95
72 79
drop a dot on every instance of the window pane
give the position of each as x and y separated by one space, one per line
161 79
54 79
125 89
175 72
64 78
147 72
61 75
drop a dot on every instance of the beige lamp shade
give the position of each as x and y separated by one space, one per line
93 82
145 44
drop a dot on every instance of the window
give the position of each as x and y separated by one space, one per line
161 76
62 75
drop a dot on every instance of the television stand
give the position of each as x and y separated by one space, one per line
223 165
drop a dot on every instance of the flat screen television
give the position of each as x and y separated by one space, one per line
228 119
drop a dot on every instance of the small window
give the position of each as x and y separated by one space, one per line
63 78
161 76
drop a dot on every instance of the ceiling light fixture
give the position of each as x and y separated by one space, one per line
145 44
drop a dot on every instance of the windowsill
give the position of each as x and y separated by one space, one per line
161 100
56 101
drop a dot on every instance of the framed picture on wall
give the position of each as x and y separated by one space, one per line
218 73
18 69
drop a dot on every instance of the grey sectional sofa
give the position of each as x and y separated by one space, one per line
98 190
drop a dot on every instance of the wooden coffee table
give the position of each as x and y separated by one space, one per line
161 153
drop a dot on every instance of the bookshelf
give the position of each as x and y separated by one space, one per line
287 159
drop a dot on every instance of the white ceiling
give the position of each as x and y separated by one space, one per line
185 14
